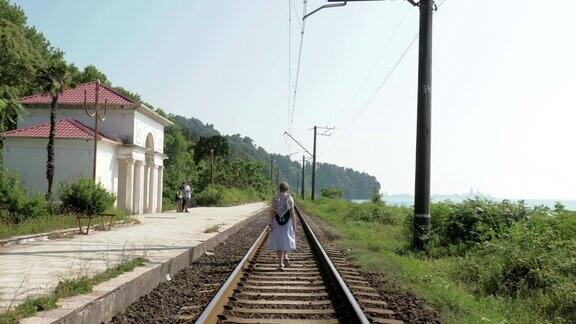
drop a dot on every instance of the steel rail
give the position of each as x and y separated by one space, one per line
217 305
354 310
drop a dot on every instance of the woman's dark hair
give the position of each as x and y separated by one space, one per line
284 187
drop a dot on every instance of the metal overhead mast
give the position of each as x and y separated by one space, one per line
313 155
421 224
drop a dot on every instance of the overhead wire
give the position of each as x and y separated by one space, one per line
297 77
289 61
297 14
373 68
374 93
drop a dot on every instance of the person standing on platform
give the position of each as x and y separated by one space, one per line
282 224
186 194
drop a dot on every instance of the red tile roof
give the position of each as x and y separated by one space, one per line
75 96
65 129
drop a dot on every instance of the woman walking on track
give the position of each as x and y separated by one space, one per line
282 224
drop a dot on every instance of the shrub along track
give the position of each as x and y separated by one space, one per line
405 305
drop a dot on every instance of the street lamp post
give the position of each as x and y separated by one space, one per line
95 112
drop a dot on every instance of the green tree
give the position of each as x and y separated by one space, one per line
127 93
559 207
180 165
89 74
18 67
10 108
12 13
54 79
208 147
376 196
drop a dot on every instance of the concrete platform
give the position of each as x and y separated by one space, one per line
32 269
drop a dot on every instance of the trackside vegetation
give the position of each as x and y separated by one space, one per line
21 213
488 262
68 288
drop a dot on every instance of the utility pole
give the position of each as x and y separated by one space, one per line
211 165
423 128
421 224
271 168
314 165
298 187
95 112
325 133
303 173
277 175
313 154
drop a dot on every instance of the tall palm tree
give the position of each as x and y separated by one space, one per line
54 79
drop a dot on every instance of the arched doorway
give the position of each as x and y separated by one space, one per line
150 142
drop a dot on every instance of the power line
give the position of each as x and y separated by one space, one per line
297 14
373 68
374 93
289 60
304 5
377 89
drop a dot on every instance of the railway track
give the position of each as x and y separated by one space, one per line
318 287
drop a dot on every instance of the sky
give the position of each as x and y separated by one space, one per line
503 109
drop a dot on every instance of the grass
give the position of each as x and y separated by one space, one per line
379 247
47 223
212 229
68 288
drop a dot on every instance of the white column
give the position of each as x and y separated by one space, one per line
160 188
146 201
152 188
129 185
138 203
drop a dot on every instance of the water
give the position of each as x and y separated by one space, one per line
408 201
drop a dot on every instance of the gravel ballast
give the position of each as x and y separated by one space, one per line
406 306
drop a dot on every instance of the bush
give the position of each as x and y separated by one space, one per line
85 197
15 206
35 206
458 227
210 196
331 192
377 212
536 258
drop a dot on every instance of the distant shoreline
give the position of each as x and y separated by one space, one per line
405 200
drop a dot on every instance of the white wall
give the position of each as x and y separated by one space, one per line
107 167
72 160
118 125
143 126
27 156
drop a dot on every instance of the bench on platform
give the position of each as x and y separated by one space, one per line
90 218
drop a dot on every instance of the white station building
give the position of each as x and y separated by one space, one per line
129 158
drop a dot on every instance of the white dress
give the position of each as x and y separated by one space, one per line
282 237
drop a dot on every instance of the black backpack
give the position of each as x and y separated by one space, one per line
282 220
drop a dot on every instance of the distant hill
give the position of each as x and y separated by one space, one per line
354 184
